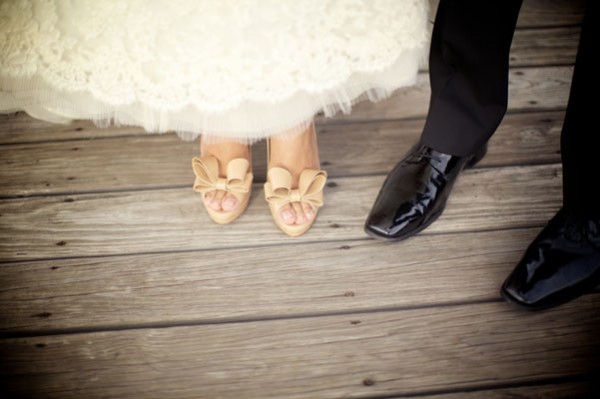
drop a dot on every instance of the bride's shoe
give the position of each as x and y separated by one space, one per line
238 183
279 192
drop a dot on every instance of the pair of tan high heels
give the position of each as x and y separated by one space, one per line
278 190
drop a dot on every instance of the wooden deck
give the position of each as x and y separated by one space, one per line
115 284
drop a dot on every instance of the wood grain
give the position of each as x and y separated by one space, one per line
351 356
174 219
133 163
543 47
115 284
582 389
257 283
544 13
19 127
530 89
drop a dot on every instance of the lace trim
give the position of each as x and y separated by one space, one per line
190 66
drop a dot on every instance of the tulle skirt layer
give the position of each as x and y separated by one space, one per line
239 69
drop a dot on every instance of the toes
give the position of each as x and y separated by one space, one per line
229 203
209 200
296 213
221 201
300 217
215 203
287 214
208 197
308 212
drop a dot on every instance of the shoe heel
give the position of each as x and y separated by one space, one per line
478 156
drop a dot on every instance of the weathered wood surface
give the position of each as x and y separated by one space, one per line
115 284
350 356
221 284
582 389
131 163
19 127
174 219
545 13
530 89
538 47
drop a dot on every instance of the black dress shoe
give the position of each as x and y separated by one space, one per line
415 192
562 263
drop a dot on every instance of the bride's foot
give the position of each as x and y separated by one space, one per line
295 158
223 176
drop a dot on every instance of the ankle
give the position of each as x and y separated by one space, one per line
225 151
295 153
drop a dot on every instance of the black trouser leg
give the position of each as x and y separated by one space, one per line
468 72
580 138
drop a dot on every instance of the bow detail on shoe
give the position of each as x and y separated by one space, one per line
278 188
237 182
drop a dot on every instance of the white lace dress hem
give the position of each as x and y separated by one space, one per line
238 69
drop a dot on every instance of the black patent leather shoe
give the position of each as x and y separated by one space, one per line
562 263
415 192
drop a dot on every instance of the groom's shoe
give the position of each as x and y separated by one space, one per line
562 263
415 192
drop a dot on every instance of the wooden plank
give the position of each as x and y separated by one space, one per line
375 147
129 163
531 89
174 219
214 285
96 165
544 13
351 356
581 389
21 128
539 47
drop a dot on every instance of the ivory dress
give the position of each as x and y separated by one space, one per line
242 69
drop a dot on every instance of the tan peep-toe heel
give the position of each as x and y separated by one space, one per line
238 182
279 192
